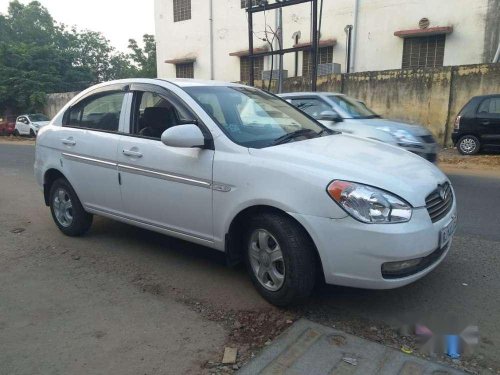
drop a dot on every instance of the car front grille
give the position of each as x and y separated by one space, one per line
439 202
427 138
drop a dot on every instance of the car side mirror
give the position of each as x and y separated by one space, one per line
183 136
329 116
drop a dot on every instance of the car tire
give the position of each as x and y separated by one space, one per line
32 133
468 145
287 278
67 210
16 133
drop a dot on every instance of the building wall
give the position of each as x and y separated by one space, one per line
376 46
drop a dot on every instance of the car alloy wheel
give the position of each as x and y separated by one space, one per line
266 259
63 207
468 145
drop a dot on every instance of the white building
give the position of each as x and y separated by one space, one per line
208 39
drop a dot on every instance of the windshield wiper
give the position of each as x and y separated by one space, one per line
287 137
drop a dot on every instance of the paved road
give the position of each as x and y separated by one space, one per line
74 293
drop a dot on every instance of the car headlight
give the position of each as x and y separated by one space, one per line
369 204
403 137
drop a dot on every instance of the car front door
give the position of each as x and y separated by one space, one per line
488 118
168 188
88 141
22 125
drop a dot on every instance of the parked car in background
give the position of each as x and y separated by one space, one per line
351 116
7 125
477 125
30 124
239 170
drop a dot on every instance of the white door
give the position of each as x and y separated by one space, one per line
22 125
88 142
166 187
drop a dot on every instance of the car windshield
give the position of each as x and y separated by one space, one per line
38 117
352 107
254 118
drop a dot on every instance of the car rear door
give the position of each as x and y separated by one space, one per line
167 188
488 120
88 141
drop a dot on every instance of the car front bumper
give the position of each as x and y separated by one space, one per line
352 253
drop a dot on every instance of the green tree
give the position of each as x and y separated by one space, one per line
39 56
144 58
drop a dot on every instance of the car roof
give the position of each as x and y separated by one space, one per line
181 82
319 93
485 96
190 82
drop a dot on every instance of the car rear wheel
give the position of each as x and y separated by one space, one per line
280 259
32 133
67 210
468 145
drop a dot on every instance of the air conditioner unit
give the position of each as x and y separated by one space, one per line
267 73
330 68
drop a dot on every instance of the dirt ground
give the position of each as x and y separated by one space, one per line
451 158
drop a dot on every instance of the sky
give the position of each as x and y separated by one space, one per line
118 20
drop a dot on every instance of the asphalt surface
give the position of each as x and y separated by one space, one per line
120 299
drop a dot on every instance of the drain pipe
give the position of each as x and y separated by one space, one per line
353 36
348 31
211 32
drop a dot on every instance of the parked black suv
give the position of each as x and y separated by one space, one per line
478 125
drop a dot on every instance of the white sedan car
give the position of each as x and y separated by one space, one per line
246 173
30 124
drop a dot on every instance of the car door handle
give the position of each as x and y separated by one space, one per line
68 141
485 122
135 154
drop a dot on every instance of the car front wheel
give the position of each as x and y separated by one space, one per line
468 145
67 210
280 258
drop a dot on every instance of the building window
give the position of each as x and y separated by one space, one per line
423 52
182 10
185 70
325 56
258 67
244 3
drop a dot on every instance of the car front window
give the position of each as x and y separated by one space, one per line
353 108
254 118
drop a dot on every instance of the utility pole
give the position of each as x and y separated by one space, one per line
279 31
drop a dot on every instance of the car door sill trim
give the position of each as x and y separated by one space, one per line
99 211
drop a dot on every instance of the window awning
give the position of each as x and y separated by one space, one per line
246 52
424 32
322 43
181 60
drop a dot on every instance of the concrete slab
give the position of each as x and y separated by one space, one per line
314 349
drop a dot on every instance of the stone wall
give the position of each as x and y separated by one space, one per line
431 97
56 101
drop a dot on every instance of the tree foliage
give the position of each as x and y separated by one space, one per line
40 56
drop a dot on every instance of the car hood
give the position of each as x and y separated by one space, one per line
41 123
374 163
418 130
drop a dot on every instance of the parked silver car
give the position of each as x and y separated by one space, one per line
348 115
